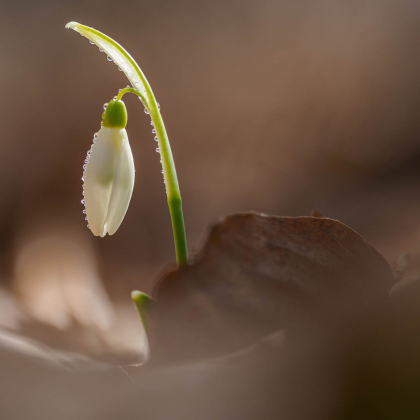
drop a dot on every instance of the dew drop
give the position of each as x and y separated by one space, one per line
82 201
146 111
156 138
105 105
86 160
88 227
101 50
154 131
109 59
86 218
91 41
161 172
119 69
158 104
84 166
84 211
83 178
157 149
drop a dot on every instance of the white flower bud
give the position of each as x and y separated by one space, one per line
108 180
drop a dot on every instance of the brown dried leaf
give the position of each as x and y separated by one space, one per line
257 274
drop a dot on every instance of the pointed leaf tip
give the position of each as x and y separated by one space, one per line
143 304
71 25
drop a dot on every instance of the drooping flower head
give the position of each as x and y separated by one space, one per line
108 173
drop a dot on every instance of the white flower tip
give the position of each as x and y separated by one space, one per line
72 25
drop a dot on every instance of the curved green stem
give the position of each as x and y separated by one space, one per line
122 92
172 187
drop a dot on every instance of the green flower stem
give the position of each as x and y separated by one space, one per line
169 173
172 186
131 90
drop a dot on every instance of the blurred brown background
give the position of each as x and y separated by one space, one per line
276 106
272 106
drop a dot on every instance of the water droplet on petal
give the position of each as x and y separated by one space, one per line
158 104
83 178
105 105
84 211
84 166
86 218
156 138
88 227
146 111
119 69
109 59
101 50
83 201
91 41
154 131
157 149
161 172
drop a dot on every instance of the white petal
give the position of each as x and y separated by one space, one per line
122 187
98 180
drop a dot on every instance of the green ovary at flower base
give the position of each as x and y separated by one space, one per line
109 169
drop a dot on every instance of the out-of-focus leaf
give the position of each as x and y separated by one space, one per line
257 274
33 350
61 303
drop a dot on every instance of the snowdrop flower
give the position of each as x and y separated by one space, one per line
108 173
